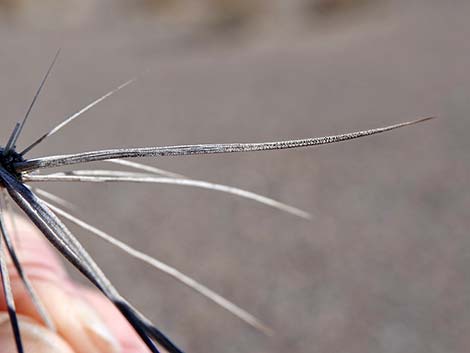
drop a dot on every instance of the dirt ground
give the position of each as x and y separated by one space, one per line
384 264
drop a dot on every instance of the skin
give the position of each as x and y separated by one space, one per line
85 321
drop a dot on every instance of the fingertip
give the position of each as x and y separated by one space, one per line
96 330
75 320
35 337
129 340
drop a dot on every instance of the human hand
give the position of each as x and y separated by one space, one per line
85 321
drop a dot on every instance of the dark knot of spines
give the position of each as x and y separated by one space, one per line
8 160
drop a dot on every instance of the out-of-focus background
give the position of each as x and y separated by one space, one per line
383 266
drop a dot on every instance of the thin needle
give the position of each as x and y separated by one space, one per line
76 115
100 176
17 132
54 198
10 142
146 168
171 271
10 301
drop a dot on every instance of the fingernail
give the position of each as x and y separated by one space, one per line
100 335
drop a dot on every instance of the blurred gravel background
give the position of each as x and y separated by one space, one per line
384 265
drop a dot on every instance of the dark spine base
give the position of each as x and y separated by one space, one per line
8 160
